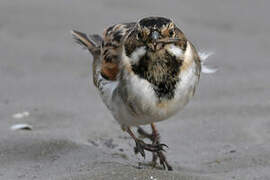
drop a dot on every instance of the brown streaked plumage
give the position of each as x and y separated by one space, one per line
110 51
145 72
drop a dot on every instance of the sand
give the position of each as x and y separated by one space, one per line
222 134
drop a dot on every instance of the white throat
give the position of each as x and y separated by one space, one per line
137 54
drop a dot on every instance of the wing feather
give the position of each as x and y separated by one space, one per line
111 49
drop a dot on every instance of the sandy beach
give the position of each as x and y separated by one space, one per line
223 134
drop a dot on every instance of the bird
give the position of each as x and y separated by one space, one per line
145 71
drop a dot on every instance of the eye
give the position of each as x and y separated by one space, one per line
171 32
139 35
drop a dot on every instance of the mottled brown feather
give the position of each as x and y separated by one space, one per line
109 70
112 45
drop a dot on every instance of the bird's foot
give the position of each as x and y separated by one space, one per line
142 146
163 161
155 138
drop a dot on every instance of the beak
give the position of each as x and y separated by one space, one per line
168 41
155 36
158 43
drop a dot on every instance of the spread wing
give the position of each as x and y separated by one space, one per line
111 49
90 42
106 50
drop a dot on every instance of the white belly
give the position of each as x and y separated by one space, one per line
139 104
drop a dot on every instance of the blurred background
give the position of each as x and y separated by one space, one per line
222 134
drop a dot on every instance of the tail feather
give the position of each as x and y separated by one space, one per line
205 69
96 39
92 42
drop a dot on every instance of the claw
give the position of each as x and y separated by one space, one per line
139 148
154 160
169 168
163 161
162 147
156 148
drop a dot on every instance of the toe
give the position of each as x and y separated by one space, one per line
163 161
139 148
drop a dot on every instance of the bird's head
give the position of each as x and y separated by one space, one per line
154 33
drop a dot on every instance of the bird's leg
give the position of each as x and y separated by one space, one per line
145 134
141 146
155 138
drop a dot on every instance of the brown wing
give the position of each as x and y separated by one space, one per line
111 49
91 42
